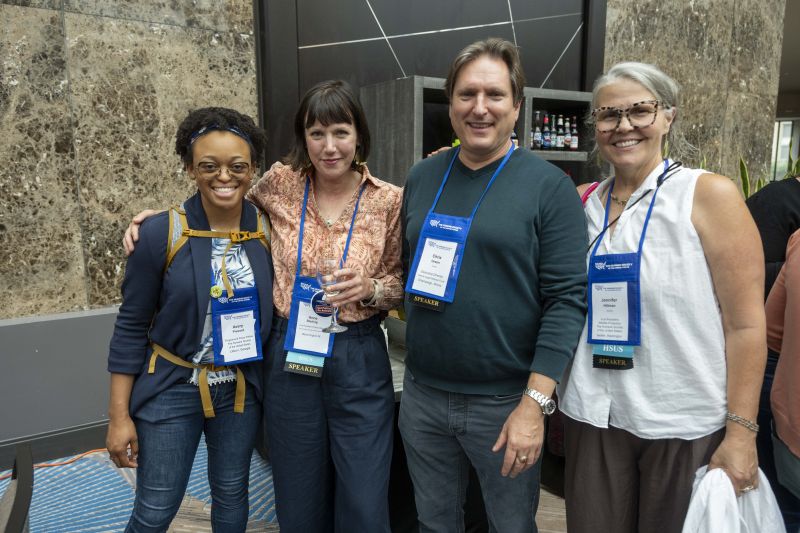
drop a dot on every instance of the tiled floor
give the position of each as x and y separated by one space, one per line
551 516
193 517
91 494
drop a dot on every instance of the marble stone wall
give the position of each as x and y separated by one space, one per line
91 93
726 56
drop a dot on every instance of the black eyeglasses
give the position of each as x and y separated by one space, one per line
639 115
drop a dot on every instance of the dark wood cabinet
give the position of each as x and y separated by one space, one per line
408 118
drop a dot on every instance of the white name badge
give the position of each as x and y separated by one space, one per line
308 335
238 332
610 311
434 266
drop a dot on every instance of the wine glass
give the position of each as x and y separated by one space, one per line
325 269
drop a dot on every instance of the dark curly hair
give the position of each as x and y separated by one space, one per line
219 118
330 102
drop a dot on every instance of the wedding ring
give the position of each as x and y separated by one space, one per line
748 488
524 459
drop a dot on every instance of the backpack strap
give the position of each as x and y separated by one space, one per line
205 368
263 230
179 233
588 192
176 238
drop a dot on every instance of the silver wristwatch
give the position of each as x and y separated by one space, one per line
548 404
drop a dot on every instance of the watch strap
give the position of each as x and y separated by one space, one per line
545 402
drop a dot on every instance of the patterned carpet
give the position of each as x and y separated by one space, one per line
92 495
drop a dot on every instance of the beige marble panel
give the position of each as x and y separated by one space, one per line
702 121
725 54
751 88
220 15
690 41
756 45
40 233
45 4
132 83
678 37
748 134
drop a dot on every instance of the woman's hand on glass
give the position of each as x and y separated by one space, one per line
327 276
352 287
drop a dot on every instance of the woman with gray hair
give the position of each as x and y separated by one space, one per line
667 373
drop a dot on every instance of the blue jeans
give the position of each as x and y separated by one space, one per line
788 503
330 438
443 433
788 466
169 428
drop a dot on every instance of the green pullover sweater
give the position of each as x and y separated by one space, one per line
520 301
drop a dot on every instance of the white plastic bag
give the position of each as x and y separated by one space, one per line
714 507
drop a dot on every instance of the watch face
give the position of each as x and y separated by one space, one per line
549 407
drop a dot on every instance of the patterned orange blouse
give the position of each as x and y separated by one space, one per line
374 247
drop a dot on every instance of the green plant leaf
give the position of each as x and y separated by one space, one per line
744 176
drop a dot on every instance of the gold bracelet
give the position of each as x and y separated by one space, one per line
374 299
749 424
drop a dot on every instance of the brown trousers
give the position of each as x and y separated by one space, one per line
617 482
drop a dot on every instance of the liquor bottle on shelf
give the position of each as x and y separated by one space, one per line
536 143
560 133
567 135
546 137
574 144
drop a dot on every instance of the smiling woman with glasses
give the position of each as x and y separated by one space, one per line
667 374
176 371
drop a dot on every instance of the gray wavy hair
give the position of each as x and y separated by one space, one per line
663 87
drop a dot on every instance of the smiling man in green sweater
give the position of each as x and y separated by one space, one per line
494 250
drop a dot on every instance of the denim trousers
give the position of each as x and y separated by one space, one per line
169 428
330 437
443 433
788 503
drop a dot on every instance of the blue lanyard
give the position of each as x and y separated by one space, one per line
303 224
447 175
646 219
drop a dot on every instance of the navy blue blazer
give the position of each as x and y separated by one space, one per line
169 308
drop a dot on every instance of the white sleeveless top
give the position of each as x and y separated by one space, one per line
677 386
